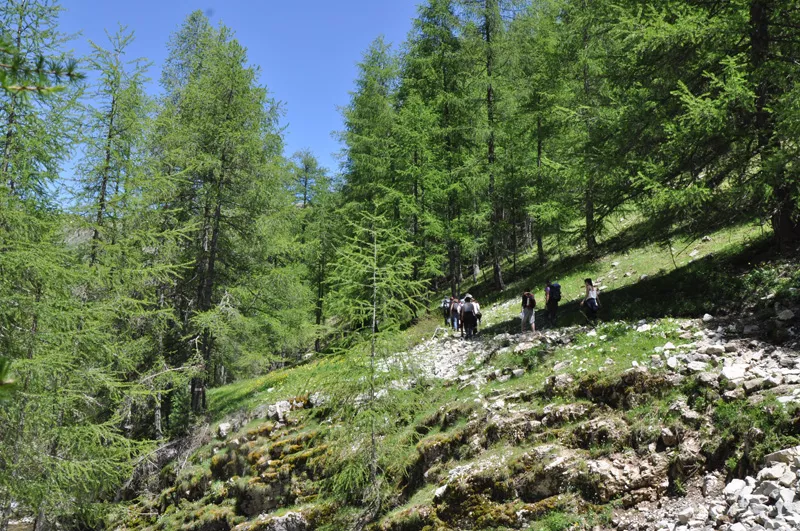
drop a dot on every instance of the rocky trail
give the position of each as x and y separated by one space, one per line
533 432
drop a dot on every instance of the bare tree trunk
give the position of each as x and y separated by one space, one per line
490 7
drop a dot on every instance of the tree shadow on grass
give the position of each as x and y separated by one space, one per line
714 284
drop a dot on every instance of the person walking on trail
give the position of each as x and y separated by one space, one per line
469 319
454 313
528 311
591 301
478 314
445 306
552 295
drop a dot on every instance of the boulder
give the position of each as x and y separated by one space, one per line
733 489
224 429
668 437
278 411
707 318
786 456
735 371
786 315
290 521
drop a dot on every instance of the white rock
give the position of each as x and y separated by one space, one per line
697 366
223 429
685 515
786 315
707 318
735 371
672 362
438 493
643 328
733 489
715 350
738 526
643 277
751 329
518 372
669 346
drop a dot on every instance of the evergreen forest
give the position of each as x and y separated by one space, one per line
159 252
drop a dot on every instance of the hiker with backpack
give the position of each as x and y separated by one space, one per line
478 314
454 309
591 300
552 295
445 306
469 319
528 311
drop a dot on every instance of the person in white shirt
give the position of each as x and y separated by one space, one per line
591 300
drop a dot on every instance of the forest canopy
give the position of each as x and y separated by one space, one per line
187 250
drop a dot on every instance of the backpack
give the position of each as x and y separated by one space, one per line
446 304
528 300
555 292
468 307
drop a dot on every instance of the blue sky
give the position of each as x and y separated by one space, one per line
307 49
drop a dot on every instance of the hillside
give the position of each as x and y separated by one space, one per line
646 422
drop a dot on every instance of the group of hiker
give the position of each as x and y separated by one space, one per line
552 296
464 315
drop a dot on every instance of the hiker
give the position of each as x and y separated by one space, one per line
478 314
445 306
552 294
591 300
454 313
528 312
468 316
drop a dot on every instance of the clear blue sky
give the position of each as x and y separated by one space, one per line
307 49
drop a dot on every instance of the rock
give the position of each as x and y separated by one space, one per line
290 521
773 381
438 493
643 328
735 371
504 378
561 365
643 277
697 366
753 385
279 410
707 318
786 315
733 394
709 484
224 429
668 437
672 362
730 347
709 379
706 239
738 526
685 515
786 456
614 264
518 372
733 489
694 253
715 350
523 347
669 346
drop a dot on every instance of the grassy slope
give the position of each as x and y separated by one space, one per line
677 285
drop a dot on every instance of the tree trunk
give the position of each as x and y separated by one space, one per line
785 217
538 230
490 7
101 201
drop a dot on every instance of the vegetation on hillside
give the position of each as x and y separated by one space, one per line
506 141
